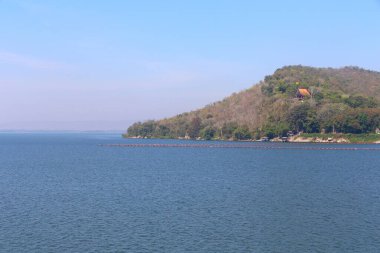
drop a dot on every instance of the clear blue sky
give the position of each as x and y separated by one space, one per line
70 64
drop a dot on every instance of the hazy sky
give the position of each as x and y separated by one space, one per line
71 64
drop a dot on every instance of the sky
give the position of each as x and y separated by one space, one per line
102 65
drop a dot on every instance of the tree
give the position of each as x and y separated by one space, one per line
228 130
297 117
303 118
241 133
195 127
327 115
208 133
162 131
360 101
278 129
134 130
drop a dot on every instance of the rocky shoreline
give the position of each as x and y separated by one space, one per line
301 139
293 139
318 139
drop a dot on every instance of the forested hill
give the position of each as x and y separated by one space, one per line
344 100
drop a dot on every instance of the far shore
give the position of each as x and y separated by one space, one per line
339 139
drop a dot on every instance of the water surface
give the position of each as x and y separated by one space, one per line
67 193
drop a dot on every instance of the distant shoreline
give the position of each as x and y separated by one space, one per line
294 139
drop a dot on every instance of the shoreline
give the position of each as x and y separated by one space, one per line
294 139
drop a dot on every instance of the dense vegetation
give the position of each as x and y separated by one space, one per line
342 101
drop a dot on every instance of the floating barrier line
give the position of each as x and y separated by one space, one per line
233 146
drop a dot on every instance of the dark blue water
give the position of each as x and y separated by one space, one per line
65 193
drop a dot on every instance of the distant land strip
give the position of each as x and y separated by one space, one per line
234 146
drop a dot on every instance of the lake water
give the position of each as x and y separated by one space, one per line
67 193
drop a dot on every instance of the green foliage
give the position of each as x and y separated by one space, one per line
303 118
241 133
278 129
228 130
333 96
362 138
360 102
318 96
208 133
145 129
270 132
267 89
162 131
358 121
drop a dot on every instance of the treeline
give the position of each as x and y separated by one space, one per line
301 118
331 118
192 130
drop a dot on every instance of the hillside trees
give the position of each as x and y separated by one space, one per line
343 100
358 121
303 118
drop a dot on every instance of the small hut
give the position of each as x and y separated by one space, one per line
302 93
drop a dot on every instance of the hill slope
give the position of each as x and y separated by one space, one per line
344 100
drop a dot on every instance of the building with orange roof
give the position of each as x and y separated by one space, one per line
302 93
